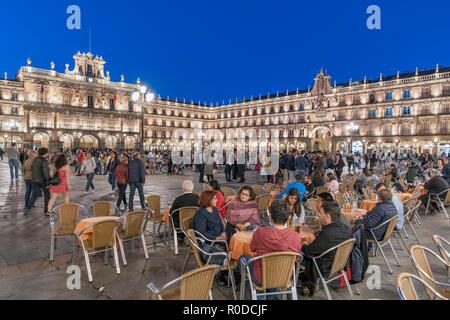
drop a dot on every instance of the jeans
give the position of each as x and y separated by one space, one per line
112 179
228 169
244 258
105 169
291 175
122 195
158 167
241 171
13 163
36 191
90 177
133 187
27 192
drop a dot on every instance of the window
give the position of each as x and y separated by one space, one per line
302 106
406 110
111 104
130 106
90 101
15 96
291 108
372 113
80 70
388 112
372 98
329 103
14 110
388 96
407 94
312 106
89 71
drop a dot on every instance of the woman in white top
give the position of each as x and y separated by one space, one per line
332 184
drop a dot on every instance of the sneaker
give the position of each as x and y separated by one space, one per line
48 214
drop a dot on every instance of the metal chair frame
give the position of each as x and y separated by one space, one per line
439 200
175 229
116 210
409 275
445 255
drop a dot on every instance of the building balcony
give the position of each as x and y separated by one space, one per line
11 129
40 125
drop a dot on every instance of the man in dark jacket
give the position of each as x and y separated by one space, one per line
136 178
332 234
339 166
446 171
320 164
291 166
382 212
187 199
436 185
39 181
301 163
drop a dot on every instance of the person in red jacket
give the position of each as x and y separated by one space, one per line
275 238
214 185
80 160
122 181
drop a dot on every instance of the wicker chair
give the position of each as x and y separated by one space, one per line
340 199
134 229
194 237
227 191
269 187
263 201
277 270
371 183
312 205
386 240
154 208
419 259
103 237
340 260
64 223
445 255
320 190
193 285
406 290
183 213
103 209
439 202
257 188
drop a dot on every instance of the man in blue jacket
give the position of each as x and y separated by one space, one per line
136 178
301 163
383 211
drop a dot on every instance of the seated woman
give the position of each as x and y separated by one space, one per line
295 205
332 184
215 186
365 177
374 176
317 179
243 212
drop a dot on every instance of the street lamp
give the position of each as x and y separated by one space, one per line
351 127
148 96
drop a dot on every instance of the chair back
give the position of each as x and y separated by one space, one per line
320 190
312 204
263 201
344 177
187 212
277 269
285 184
68 216
340 199
196 193
256 188
154 203
388 179
269 187
405 287
196 284
134 223
419 259
194 247
103 235
444 254
389 229
447 198
371 183
366 193
341 256
342 188
186 224
227 191
101 208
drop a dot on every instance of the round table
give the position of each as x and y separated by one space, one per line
404 195
368 204
354 214
240 241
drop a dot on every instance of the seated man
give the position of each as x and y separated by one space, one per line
278 237
436 185
309 187
187 199
297 184
327 197
397 203
383 211
332 234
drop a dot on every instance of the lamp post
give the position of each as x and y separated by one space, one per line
148 96
351 127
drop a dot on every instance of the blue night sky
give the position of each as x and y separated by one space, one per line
217 50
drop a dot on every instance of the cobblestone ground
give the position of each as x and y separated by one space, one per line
27 273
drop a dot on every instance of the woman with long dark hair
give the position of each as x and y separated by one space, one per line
63 169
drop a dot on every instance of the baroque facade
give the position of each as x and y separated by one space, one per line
83 108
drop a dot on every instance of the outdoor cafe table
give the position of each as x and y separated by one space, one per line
404 195
370 204
240 242
353 214
87 234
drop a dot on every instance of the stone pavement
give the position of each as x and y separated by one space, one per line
26 273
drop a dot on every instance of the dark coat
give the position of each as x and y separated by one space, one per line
185 200
382 212
40 172
359 258
301 163
136 171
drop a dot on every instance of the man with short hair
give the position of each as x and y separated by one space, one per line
327 197
301 163
88 167
187 199
80 160
40 178
13 160
291 166
309 186
136 179
435 185
397 203
332 234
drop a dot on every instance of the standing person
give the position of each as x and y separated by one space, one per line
1 153
28 175
291 166
13 160
136 179
350 162
89 166
228 166
122 181
158 162
40 178
200 166
301 163
209 168
339 165
106 158
112 164
63 169
22 158
80 160
151 162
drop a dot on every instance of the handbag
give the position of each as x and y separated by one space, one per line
230 230
55 180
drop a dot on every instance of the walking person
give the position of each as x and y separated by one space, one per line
80 160
40 178
112 164
89 166
159 162
28 175
13 160
122 181
1 153
63 169
136 178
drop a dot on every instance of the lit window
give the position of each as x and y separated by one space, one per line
388 112
388 96
407 110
